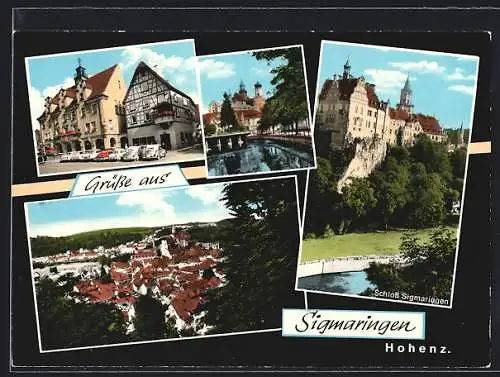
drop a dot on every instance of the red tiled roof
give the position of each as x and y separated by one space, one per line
325 88
429 124
373 100
399 114
97 83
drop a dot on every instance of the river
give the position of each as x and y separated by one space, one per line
353 283
260 156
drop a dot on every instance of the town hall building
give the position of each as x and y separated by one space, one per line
349 108
86 116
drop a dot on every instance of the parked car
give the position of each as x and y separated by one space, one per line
152 152
66 157
77 156
117 154
131 154
103 155
90 155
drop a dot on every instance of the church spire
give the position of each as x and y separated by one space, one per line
407 83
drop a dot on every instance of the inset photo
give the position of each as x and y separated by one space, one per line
256 116
383 209
166 264
113 108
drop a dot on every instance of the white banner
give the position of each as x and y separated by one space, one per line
353 324
147 178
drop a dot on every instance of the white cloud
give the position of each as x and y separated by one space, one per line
37 98
150 203
422 66
458 74
152 208
465 89
208 194
386 81
132 55
214 69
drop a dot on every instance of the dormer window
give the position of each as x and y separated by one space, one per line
82 112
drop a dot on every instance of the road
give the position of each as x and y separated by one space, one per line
56 167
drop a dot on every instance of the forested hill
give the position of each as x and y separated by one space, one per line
44 245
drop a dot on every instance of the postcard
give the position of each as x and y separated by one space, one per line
111 108
384 205
256 112
162 264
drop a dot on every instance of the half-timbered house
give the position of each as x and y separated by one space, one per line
157 112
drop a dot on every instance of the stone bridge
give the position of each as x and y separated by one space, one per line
345 264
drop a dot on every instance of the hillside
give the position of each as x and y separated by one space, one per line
44 245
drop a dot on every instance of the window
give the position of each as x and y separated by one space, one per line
369 112
144 87
87 128
132 107
148 116
119 84
184 101
93 129
145 104
110 124
161 98
73 115
134 119
94 108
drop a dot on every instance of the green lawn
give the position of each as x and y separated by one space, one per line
354 244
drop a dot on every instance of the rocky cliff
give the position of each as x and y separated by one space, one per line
369 154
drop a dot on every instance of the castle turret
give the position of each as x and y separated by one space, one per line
460 135
259 91
406 97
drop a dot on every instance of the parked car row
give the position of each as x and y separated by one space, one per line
133 153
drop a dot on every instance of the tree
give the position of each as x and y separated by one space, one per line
227 117
290 84
433 155
65 323
427 207
428 270
359 199
457 160
259 252
210 129
149 321
391 189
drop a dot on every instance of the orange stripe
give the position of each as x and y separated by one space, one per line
195 172
65 185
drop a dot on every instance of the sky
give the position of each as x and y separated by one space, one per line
130 209
443 84
223 73
175 61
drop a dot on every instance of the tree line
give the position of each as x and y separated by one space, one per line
414 187
42 246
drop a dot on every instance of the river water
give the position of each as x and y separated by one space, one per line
353 283
260 156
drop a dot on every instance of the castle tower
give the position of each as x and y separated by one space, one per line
460 135
347 69
259 91
406 97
